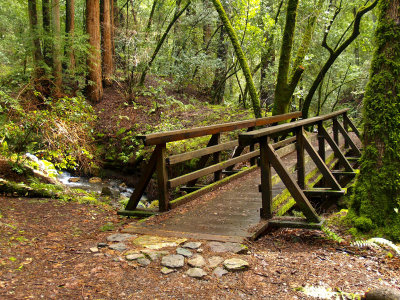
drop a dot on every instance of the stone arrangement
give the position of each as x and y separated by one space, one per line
185 256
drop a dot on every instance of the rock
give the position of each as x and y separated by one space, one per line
102 245
95 180
219 272
119 237
184 252
196 273
192 245
106 191
167 271
74 179
173 261
200 250
94 249
197 261
134 256
155 242
118 247
235 264
154 255
227 247
143 262
382 294
214 261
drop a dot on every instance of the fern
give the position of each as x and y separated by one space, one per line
376 243
332 235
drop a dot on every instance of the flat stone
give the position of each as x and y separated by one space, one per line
197 261
74 179
227 247
219 272
167 271
184 252
119 237
191 245
173 261
385 293
196 272
154 255
118 247
94 249
143 261
235 264
134 256
102 245
214 261
155 242
95 180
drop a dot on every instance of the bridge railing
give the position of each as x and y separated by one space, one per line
270 158
160 162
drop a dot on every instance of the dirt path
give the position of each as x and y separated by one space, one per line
44 254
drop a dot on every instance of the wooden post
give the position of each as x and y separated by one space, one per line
300 158
266 181
252 160
217 158
335 131
346 128
321 141
162 178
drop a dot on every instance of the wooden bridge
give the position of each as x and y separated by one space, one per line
236 199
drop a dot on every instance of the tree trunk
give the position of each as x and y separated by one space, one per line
376 199
240 57
70 32
218 86
95 87
57 67
37 53
106 38
47 37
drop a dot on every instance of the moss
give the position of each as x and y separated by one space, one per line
364 224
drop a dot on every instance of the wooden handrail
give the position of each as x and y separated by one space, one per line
248 138
177 135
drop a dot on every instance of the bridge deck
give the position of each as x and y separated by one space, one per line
230 213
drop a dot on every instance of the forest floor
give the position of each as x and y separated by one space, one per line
45 253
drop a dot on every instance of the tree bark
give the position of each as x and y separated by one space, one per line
57 67
70 32
47 38
376 199
95 87
219 83
240 56
36 52
106 38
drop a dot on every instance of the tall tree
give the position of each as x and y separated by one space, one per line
57 67
106 39
70 32
95 87
288 78
47 35
240 57
376 200
219 83
37 52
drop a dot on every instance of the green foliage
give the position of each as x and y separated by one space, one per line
376 243
59 131
107 227
331 235
363 224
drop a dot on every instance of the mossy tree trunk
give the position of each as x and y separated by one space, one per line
106 15
240 57
219 83
70 32
376 199
57 67
47 35
36 51
288 78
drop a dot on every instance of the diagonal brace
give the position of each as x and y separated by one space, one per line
292 185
